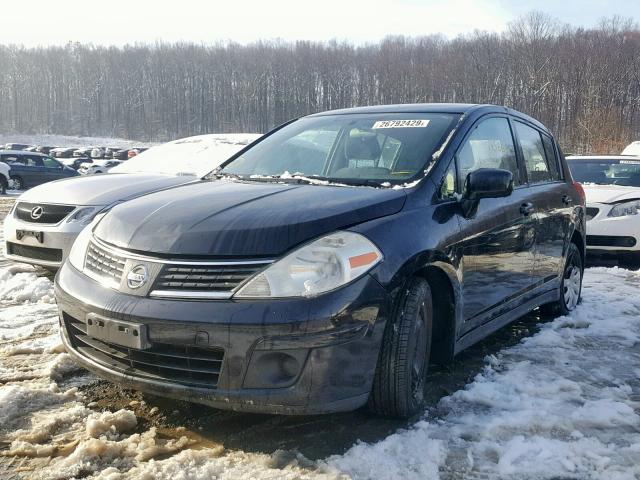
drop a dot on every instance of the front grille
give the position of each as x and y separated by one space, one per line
592 212
183 364
610 241
36 253
51 214
214 278
103 263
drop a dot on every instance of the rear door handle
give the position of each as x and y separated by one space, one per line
526 208
567 200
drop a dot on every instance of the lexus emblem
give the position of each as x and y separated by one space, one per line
137 276
36 212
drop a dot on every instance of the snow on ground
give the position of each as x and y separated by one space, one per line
563 403
70 141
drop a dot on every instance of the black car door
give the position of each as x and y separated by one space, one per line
497 247
550 197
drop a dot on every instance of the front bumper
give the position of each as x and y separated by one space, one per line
612 235
54 249
334 340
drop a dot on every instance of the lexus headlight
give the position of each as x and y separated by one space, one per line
83 214
626 208
318 267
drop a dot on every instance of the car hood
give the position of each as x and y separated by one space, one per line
610 193
240 219
100 190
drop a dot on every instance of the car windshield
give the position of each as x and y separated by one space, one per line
352 148
188 156
606 172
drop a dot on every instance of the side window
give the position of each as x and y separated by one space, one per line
448 186
35 162
552 159
533 152
490 145
50 162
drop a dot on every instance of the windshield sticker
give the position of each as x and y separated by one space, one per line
400 124
630 162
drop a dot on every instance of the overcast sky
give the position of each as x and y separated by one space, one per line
118 22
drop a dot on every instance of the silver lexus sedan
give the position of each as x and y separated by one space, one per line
45 221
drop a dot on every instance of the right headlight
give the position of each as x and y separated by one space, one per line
81 243
625 209
318 267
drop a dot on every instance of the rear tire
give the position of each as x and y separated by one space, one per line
4 185
398 386
18 183
570 287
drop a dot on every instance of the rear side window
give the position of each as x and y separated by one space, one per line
490 145
552 158
50 163
533 152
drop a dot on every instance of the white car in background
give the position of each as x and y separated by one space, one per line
612 187
632 149
4 177
98 166
45 221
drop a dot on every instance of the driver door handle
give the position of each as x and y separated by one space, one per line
526 208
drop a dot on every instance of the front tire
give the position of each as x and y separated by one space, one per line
18 183
570 287
398 386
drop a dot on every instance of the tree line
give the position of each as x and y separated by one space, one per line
583 83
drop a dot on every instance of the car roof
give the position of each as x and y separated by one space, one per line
21 152
602 157
459 108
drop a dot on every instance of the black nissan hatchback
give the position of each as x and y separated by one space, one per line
326 265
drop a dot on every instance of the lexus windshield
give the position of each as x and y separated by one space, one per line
606 172
350 148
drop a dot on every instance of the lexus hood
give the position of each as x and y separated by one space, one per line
100 190
237 219
610 193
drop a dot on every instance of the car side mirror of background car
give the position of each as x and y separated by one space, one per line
485 183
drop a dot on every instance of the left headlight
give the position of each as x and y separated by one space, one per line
318 267
625 209
81 243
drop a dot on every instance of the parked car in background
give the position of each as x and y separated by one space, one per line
330 263
97 152
16 146
62 152
75 163
109 151
45 149
612 186
121 154
98 166
135 151
83 152
69 205
4 177
29 169
632 149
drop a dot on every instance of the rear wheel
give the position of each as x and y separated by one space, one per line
17 183
570 287
4 185
398 387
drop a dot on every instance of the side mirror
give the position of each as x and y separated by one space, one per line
485 183
488 183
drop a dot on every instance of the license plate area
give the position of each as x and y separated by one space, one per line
119 332
39 236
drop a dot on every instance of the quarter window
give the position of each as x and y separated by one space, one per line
533 151
552 158
448 186
490 145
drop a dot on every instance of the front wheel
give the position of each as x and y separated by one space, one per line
570 287
17 183
399 382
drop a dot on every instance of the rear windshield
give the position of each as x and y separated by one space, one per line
606 172
381 148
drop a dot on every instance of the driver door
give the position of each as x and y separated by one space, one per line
498 239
